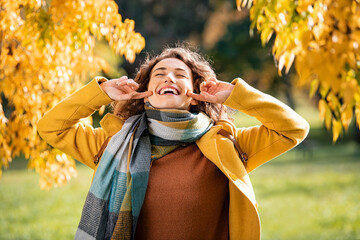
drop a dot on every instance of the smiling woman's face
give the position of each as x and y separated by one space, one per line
170 80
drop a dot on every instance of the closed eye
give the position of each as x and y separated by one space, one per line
182 76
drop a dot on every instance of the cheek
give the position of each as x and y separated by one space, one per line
191 85
151 86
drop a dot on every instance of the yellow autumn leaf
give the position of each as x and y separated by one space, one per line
337 128
314 86
350 88
281 63
328 118
346 117
242 3
265 35
322 105
357 114
289 61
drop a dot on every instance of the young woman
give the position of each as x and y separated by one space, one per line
168 171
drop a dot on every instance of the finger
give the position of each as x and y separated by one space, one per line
122 82
212 79
197 97
134 85
126 81
125 96
203 87
127 89
208 97
210 83
121 79
140 95
127 86
211 86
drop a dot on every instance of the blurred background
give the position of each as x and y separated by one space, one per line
310 192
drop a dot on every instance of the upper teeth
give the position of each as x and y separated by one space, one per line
172 90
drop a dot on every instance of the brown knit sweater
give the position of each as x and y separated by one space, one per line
187 198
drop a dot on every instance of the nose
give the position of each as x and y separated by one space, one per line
170 78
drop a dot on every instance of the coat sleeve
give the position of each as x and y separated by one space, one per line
281 128
61 126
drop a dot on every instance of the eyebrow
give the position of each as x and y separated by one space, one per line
164 68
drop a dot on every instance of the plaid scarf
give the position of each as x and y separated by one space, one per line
116 195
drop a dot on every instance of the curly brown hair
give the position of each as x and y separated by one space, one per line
201 71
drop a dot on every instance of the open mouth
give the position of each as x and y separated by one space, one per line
168 90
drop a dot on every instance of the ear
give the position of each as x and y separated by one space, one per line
146 99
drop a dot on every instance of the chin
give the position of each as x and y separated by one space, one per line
168 106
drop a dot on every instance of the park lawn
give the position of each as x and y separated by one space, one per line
310 195
30 213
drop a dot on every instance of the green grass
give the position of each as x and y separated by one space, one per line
311 198
30 213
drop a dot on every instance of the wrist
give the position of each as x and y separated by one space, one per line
103 86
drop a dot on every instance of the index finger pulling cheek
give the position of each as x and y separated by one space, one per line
193 95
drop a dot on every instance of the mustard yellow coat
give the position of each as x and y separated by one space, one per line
281 130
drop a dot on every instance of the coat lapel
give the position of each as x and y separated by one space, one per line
222 153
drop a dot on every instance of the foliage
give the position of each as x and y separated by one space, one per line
322 37
46 53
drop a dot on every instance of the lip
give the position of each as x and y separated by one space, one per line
172 87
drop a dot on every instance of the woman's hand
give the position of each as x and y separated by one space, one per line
122 89
213 91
